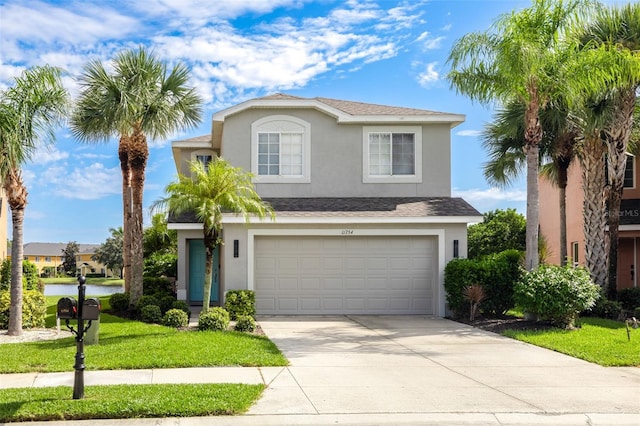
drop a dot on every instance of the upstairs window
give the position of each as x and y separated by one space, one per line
280 154
629 181
392 154
203 156
281 150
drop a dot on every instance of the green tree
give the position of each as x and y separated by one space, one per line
109 253
139 98
69 254
517 60
617 29
158 238
209 192
30 110
499 230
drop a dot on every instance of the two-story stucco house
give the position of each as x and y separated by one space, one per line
365 222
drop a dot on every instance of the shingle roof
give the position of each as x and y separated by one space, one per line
54 249
373 207
397 207
358 108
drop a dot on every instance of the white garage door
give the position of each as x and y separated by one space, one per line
345 275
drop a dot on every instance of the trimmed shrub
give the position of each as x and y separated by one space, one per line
604 308
215 319
629 298
119 302
240 303
151 313
497 274
154 286
34 309
175 318
166 303
556 293
245 323
147 300
182 305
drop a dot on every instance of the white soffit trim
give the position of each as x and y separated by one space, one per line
341 116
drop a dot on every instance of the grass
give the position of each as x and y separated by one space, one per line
127 344
92 281
598 340
126 401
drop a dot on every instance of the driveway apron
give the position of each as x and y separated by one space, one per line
422 364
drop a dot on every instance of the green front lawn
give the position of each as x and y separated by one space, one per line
598 340
127 344
126 401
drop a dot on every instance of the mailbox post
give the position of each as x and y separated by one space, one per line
89 309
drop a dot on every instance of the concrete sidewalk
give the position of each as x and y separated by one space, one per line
398 370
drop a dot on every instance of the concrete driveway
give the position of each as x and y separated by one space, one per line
406 366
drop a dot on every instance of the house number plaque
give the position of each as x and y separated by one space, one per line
347 232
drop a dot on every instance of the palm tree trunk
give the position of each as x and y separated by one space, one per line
594 208
138 154
123 155
17 198
532 136
209 247
562 185
617 143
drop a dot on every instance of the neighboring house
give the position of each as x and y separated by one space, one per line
48 258
365 222
629 231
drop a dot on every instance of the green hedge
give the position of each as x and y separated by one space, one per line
34 309
496 273
240 303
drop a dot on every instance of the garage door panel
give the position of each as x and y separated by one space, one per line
338 275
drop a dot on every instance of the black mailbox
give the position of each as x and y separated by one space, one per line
91 309
67 308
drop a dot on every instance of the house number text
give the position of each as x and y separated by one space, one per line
347 232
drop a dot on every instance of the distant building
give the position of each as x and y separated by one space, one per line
48 258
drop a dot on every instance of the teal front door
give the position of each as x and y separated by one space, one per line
196 272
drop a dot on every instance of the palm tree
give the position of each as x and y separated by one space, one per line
209 192
517 60
139 98
619 29
29 112
504 141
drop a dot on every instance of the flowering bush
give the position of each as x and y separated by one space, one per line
556 293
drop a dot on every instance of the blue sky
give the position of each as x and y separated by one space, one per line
377 51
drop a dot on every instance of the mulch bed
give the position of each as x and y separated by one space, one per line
498 324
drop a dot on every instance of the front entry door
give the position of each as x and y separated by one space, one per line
196 272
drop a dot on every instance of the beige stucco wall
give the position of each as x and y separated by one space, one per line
336 158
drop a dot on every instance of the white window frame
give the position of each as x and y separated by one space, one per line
414 178
632 159
203 152
282 124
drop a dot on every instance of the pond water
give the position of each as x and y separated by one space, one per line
72 290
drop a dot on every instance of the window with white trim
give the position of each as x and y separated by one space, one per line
629 172
281 149
204 156
392 154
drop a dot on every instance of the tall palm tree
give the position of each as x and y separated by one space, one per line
517 59
139 98
618 27
504 140
209 192
30 110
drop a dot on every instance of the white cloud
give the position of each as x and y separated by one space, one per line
430 43
493 198
429 76
49 155
87 183
472 133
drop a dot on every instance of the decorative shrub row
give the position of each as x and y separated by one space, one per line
34 309
556 293
496 274
240 303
